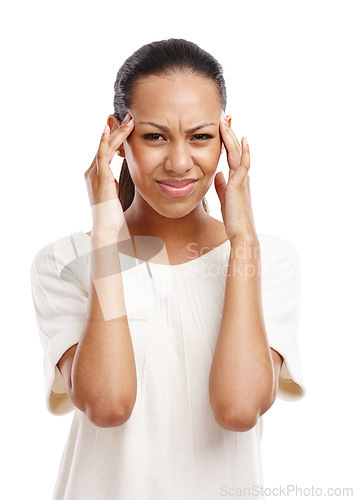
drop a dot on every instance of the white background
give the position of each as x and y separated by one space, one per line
288 69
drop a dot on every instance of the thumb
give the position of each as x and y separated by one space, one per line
220 185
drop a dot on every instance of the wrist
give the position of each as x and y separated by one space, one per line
101 237
244 239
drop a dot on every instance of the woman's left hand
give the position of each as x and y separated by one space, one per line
235 197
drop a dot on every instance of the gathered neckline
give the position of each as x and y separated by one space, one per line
183 264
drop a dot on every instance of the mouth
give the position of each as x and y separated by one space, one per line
183 189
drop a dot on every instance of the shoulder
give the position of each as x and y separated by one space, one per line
78 238
277 252
63 256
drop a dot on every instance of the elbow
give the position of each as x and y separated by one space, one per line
105 410
237 420
109 416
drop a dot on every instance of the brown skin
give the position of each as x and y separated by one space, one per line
179 103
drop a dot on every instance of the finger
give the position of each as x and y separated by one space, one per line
240 178
228 127
245 159
229 138
220 185
234 136
233 149
93 167
115 139
119 135
102 162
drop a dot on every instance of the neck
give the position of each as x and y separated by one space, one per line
143 220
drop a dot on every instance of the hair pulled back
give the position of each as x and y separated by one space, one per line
164 57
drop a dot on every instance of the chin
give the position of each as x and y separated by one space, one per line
175 213
174 210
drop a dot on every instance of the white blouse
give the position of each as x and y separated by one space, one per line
171 448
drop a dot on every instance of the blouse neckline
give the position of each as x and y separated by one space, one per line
189 262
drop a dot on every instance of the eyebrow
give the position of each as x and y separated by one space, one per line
166 129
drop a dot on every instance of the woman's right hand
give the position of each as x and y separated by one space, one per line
102 187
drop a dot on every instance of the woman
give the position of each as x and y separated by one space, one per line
168 365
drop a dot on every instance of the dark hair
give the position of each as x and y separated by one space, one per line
164 57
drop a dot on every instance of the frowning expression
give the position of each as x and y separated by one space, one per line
176 136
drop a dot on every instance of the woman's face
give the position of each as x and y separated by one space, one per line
169 149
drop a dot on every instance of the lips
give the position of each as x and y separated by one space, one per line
177 183
177 191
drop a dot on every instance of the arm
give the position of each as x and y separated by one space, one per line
244 372
103 373
100 372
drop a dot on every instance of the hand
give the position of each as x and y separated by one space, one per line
102 187
235 197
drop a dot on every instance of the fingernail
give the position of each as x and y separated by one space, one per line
126 118
223 116
106 129
245 141
130 122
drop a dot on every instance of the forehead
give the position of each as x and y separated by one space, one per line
175 93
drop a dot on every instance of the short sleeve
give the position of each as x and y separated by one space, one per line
60 302
280 300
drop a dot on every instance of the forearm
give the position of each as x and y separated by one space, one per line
242 374
103 370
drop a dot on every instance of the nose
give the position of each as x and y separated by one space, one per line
179 158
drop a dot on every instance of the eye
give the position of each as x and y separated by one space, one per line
199 137
152 137
203 137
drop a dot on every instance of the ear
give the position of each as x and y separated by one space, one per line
114 123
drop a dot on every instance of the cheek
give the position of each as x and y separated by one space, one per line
132 152
139 155
143 160
209 157
140 161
